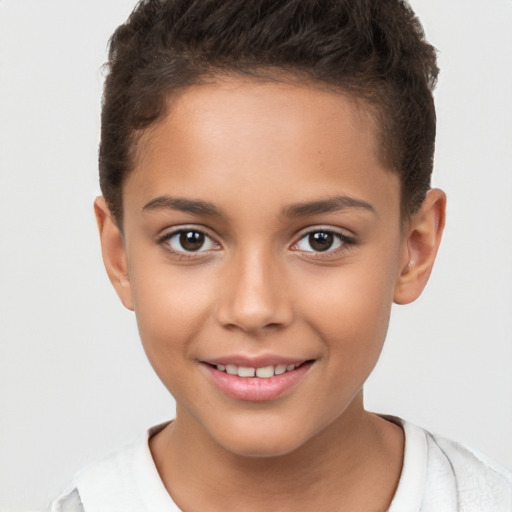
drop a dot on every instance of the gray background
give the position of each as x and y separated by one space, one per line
74 381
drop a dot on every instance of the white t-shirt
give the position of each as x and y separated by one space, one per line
437 476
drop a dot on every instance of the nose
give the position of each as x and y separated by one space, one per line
254 296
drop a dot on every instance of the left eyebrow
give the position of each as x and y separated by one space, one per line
182 204
328 205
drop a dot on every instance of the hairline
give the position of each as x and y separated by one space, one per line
367 104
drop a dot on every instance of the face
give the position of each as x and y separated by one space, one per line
263 245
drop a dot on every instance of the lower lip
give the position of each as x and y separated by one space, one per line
255 389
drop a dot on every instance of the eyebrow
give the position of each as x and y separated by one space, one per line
185 205
331 204
198 207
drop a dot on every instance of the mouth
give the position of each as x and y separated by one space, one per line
257 383
262 372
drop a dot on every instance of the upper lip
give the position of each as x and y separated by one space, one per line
255 361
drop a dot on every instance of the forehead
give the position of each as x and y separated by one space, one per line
298 139
209 112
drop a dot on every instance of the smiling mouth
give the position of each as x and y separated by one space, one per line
257 383
264 372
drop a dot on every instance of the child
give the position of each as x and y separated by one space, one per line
265 169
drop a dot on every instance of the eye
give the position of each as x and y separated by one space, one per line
321 241
189 240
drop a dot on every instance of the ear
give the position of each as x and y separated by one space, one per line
113 252
422 238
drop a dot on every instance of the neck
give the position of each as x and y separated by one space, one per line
334 470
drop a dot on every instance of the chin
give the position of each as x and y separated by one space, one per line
260 446
255 439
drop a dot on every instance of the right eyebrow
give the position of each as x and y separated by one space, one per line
194 206
327 205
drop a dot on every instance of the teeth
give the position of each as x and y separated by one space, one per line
280 369
265 372
230 368
243 371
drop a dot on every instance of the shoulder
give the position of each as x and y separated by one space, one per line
439 475
69 501
124 481
480 482
103 484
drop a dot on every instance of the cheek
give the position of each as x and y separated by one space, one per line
350 309
171 305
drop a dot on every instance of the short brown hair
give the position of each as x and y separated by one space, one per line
374 50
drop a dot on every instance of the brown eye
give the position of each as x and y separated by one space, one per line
189 240
192 240
320 241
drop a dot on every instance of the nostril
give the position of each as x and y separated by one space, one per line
274 326
254 327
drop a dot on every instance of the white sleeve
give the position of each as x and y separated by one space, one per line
68 502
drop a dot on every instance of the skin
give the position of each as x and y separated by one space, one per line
252 151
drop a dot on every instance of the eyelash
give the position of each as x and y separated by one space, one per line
165 241
345 242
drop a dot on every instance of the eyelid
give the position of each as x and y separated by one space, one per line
343 233
348 241
170 232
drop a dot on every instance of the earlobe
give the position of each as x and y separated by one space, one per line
113 252
423 237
